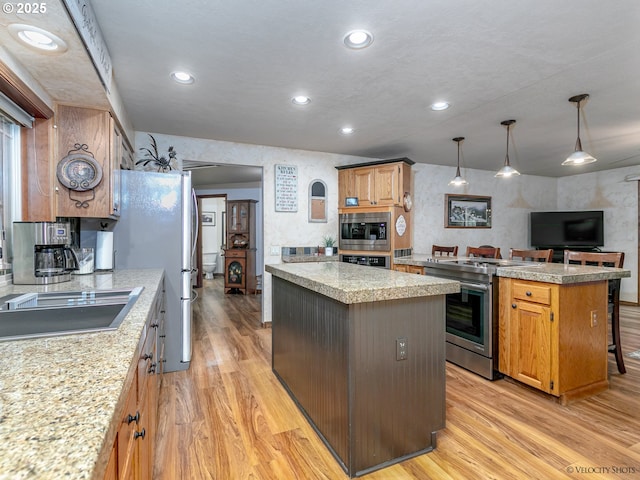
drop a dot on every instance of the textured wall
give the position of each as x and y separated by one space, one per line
512 200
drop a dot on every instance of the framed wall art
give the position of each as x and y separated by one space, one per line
467 211
209 219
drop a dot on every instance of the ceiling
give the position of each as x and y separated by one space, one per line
491 60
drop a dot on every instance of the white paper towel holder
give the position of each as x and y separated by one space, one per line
104 252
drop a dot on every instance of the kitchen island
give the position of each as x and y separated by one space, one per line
59 396
361 351
549 320
553 327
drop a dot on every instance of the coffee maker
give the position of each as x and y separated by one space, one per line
42 253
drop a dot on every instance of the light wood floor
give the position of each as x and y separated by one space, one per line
228 418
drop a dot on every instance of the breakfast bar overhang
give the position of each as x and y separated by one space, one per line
361 352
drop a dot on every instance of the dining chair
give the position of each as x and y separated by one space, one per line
483 251
448 251
532 255
605 259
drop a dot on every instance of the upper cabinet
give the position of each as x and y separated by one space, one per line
378 184
87 134
71 165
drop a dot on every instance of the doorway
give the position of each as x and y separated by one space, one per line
210 243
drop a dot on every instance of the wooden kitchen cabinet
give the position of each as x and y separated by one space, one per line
416 269
240 254
132 455
38 171
98 130
375 185
553 337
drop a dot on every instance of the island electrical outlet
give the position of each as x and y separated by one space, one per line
401 348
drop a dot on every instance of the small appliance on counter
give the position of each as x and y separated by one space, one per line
42 253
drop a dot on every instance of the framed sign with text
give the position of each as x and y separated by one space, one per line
286 188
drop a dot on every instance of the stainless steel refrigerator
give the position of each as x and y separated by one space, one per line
158 228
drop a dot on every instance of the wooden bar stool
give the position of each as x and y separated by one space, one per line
533 255
486 252
610 259
448 251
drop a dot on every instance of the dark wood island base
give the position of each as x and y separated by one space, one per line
369 376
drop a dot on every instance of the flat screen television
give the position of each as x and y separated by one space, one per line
567 229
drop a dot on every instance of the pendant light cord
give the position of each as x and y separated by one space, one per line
578 142
506 158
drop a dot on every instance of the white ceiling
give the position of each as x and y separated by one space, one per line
493 60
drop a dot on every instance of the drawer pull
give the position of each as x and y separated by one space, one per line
131 418
141 434
528 294
147 356
513 305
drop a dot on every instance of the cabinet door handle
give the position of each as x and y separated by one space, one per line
140 434
131 418
528 294
513 305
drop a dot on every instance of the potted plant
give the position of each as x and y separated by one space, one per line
328 242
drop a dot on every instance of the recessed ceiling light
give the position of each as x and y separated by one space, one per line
347 130
38 38
437 106
184 78
301 100
358 39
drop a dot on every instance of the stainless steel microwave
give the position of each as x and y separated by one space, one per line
365 231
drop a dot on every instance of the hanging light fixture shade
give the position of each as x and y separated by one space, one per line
458 181
579 156
507 170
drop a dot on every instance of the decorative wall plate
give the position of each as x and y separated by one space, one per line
407 202
79 172
401 225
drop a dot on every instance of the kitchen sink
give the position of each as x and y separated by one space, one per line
34 315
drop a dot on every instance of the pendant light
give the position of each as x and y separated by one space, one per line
579 157
458 181
507 170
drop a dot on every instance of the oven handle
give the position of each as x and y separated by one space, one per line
474 286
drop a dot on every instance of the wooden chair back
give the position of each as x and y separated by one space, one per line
448 251
532 255
486 252
601 259
606 259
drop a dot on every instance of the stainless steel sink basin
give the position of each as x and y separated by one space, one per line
34 315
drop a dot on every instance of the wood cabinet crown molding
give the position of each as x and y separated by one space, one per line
19 93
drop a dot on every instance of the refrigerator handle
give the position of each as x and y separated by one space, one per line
196 222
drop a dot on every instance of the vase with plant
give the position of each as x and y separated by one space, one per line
153 156
328 242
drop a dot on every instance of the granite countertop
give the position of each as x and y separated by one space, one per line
349 283
535 271
561 273
58 395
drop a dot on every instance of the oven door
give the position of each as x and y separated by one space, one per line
468 318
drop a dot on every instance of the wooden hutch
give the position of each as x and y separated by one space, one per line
240 250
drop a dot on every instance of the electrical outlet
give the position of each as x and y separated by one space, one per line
594 318
401 348
275 251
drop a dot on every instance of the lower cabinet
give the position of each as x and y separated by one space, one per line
132 455
417 269
554 337
240 270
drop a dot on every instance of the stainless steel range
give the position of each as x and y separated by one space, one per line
472 314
